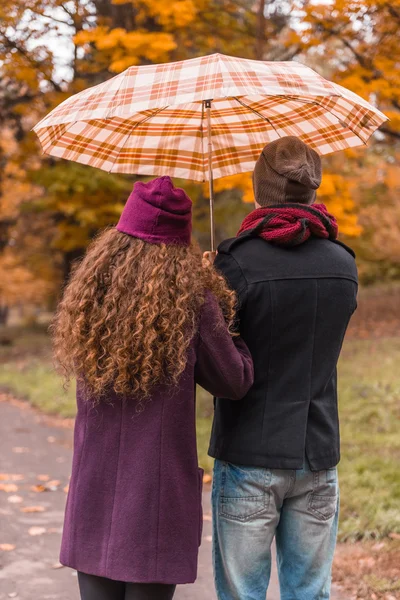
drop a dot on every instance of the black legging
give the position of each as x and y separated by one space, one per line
100 588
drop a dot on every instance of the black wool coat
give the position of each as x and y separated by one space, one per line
294 308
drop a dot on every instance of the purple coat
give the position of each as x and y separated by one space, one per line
134 506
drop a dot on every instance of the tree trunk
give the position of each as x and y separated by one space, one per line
260 33
4 312
120 15
68 261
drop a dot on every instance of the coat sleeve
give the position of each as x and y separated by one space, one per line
230 269
224 366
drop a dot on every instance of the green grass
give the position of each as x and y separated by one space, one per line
205 410
26 370
38 383
369 392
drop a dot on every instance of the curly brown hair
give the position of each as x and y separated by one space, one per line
129 312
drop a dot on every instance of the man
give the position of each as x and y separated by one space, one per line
276 450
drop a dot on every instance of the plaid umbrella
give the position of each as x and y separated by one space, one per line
204 118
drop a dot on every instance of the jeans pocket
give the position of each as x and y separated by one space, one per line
323 507
244 493
200 483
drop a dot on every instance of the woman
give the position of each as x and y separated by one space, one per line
141 322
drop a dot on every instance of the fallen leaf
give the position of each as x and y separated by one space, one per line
7 547
207 518
57 565
394 535
51 439
20 450
53 484
378 546
38 488
43 477
32 509
13 594
368 562
207 478
8 487
11 477
37 530
208 538
66 489
15 499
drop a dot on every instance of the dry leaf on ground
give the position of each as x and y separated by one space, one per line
368 571
20 449
7 547
66 489
43 477
8 487
53 484
32 509
38 488
37 530
207 478
15 499
11 477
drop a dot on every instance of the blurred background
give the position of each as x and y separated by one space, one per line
49 209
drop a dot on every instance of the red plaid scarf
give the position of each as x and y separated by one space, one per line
290 224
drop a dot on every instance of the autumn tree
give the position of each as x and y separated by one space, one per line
353 43
356 44
34 188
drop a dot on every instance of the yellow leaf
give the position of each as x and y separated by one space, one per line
8 487
7 547
36 531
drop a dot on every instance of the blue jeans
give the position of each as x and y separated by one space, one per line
251 506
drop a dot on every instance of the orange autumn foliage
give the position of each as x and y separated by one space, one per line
50 209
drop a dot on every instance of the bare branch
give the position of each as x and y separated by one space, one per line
390 132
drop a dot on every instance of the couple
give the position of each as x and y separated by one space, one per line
143 320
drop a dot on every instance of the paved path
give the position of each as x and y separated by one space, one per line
36 451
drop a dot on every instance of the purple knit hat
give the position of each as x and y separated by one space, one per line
158 213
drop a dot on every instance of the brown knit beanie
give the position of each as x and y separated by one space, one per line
287 171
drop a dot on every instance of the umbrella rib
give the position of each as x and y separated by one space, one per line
342 123
136 125
312 102
257 113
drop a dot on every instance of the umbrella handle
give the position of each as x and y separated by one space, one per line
207 104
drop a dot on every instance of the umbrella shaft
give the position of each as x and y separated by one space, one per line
210 173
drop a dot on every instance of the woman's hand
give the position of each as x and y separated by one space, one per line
209 256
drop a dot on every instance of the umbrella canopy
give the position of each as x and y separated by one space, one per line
151 120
